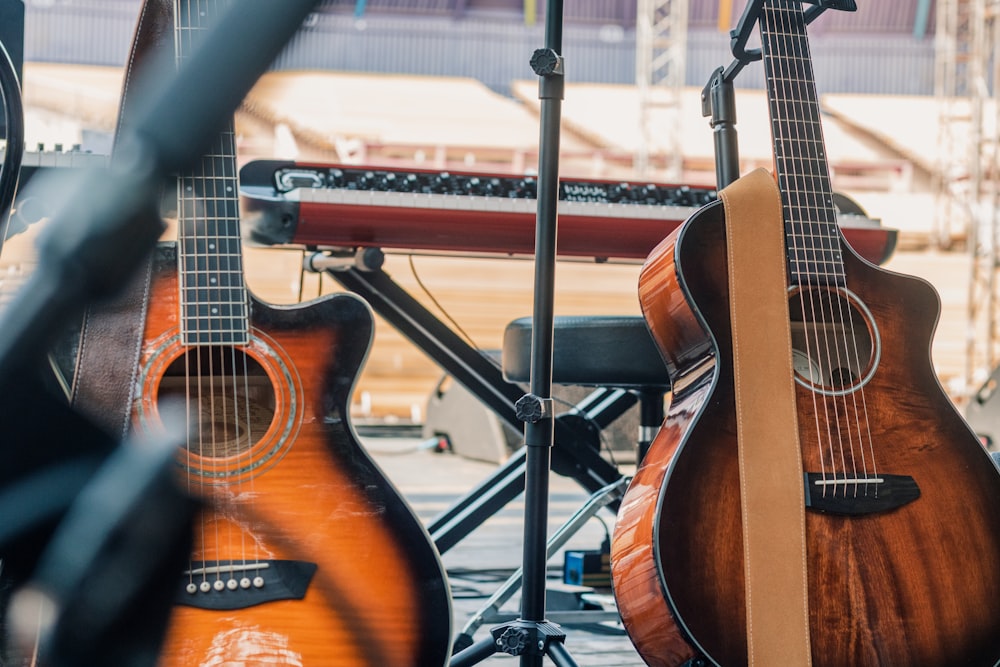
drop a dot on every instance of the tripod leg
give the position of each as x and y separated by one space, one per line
560 656
474 654
602 498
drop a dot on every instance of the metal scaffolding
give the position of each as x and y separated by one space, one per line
952 88
660 57
968 199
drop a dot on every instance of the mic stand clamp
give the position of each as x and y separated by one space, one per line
532 409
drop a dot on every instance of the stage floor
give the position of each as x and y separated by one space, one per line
479 564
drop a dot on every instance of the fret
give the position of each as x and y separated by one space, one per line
214 302
820 245
215 281
207 209
822 263
812 237
211 263
818 226
209 183
214 310
200 294
205 273
802 152
211 245
806 185
214 179
233 335
215 164
222 225
809 120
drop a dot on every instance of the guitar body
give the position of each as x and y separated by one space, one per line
918 584
347 574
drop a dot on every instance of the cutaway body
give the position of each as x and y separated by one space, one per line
915 583
305 554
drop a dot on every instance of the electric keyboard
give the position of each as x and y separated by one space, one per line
334 205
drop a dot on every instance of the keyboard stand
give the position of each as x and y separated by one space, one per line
576 453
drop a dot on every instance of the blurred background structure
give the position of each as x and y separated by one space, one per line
907 86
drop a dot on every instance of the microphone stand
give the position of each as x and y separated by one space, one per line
532 637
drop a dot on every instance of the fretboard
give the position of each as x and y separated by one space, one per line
812 236
213 295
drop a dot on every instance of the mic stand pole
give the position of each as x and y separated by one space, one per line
532 637
718 101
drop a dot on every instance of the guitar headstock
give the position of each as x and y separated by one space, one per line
739 36
842 5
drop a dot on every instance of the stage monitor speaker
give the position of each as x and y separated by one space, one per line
472 430
475 432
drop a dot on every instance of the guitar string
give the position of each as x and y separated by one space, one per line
213 223
802 199
221 234
202 341
840 311
202 209
796 189
847 354
819 332
236 300
820 408
192 409
235 256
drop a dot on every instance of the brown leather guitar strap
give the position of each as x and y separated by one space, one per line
111 338
108 357
771 492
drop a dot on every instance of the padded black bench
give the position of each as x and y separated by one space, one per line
597 351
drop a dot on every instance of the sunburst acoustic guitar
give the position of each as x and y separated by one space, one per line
305 554
901 502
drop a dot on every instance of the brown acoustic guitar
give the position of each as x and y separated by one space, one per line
901 501
305 554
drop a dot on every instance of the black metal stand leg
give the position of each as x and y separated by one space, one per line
650 419
475 653
560 656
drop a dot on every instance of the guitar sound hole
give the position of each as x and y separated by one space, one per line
229 396
835 344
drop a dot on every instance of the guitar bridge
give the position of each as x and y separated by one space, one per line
858 494
228 585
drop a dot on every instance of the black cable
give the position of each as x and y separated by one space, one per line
10 90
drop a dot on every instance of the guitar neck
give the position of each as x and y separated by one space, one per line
811 232
213 295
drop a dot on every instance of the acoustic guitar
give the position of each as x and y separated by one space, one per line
304 554
901 501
